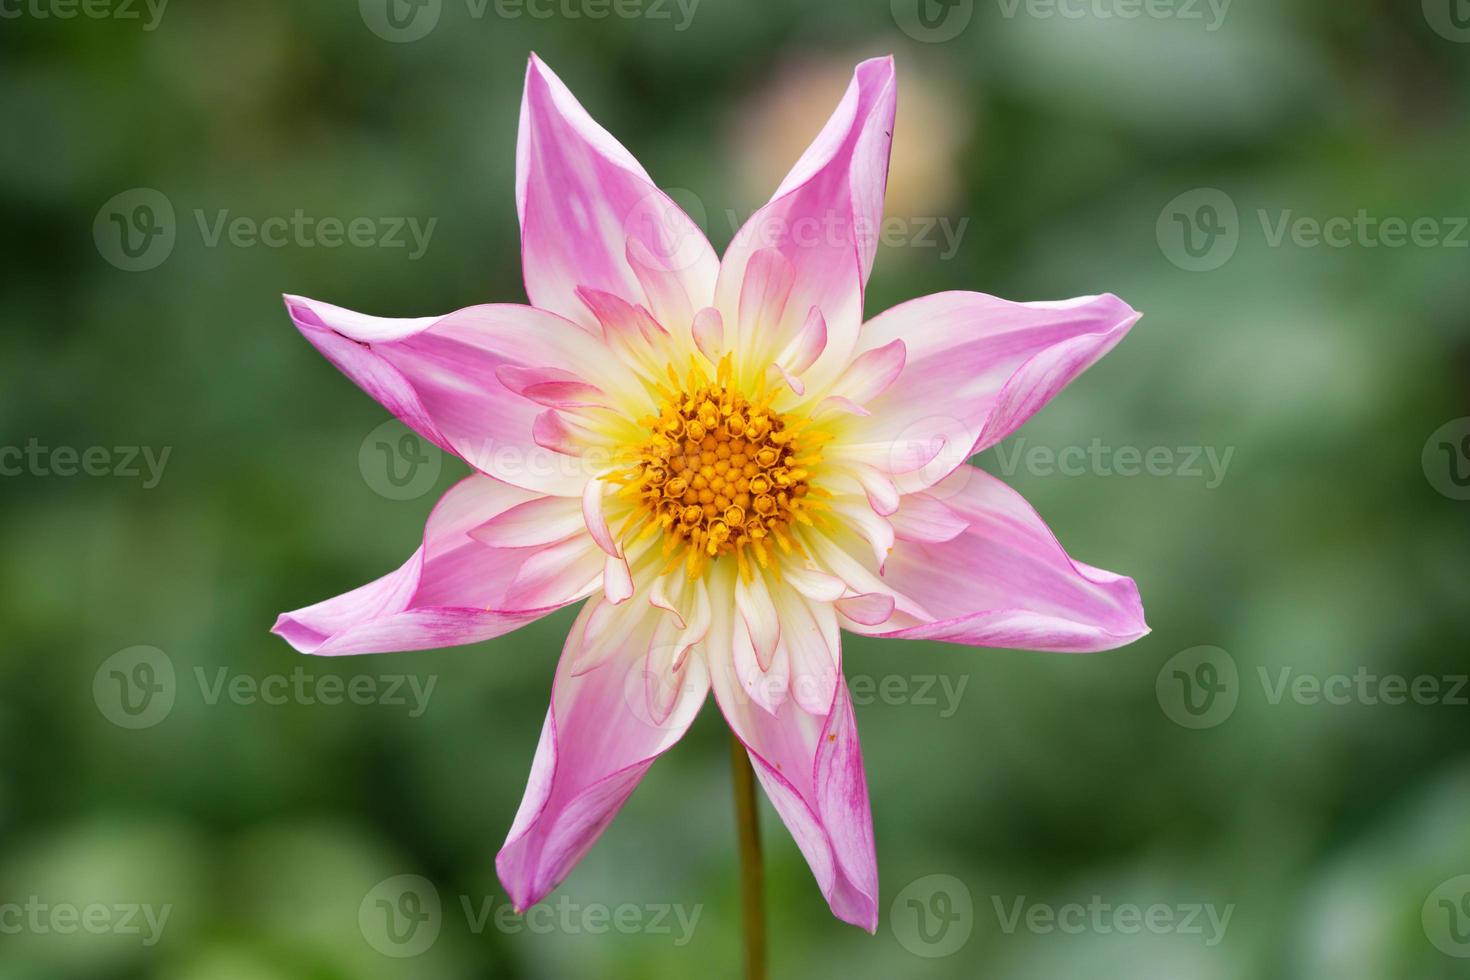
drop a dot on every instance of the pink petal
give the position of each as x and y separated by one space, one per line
871 373
926 518
699 618
881 492
600 737
611 628
825 218
812 769
753 600
663 668
566 394
709 333
978 367
874 528
454 590
673 639
441 376
837 403
559 573
1006 582
617 318
592 513
869 609
555 433
810 634
808 343
662 284
659 598
792 381
591 215
846 555
765 684
543 521
617 579
769 278
550 386
814 583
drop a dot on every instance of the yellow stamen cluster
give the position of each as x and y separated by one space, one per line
720 472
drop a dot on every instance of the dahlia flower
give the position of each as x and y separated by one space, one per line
729 466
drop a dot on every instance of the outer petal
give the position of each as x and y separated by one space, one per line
452 591
1005 581
591 216
977 367
441 376
602 733
825 219
812 769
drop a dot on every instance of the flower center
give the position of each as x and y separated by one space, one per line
721 473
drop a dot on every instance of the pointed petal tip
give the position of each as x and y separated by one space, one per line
518 893
868 921
1126 315
296 306
288 628
854 906
538 70
883 62
1117 639
1141 628
880 72
301 637
281 626
1136 626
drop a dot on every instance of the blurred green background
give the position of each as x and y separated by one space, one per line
1177 157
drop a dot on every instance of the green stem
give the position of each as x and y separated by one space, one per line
752 874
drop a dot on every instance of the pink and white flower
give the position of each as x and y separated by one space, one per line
729 466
